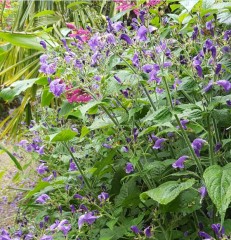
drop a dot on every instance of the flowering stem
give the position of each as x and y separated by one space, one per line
189 146
80 170
210 137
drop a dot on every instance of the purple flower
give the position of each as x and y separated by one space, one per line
226 49
218 146
72 166
147 68
135 60
205 235
135 229
129 168
208 44
183 123
126 38
40 151
142 34
42 199
208 87
225 84
228 102
147 232
197 145
199 71
46 237
106 145
180 162
124 149
195 33
43 44
218 229
209 25
213 51
159 143
78 196
103 196
29 236
72 207
42 168
167 64
46 219
227 35
135 133
218 69
118 26
64 226
83 208
110 38
88 218
203 191
57 87
95 42
48 179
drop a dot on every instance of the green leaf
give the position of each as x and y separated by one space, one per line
16 88
66 108
24 40
86 107
46 97
38 188
207 4
119 15
101 123
44 13
12 157
167 191
164 115
64 135
217 181
84 131
189 4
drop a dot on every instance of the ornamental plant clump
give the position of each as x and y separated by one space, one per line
134 136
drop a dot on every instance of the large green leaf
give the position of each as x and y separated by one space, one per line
22 40
167 191
12 157
189 4
16 88
62 136
217 181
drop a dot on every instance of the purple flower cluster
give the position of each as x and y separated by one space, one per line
35 146
147 231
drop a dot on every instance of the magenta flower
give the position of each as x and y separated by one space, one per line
88 218
180 162
42 199
142 34
225 84
129 168
77 95
159 143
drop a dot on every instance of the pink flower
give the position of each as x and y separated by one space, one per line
81 34
77 95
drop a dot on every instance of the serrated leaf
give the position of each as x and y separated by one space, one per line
217 181
62 136
86 107
66 108
167 191
84 131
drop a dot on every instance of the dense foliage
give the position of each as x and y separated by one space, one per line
131 128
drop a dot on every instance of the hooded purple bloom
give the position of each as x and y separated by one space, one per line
159 143
209 25
43 44
40 151
126 38
203 191
46 237
135 133
129 168
218 230
225 84
180 162
29 236
106 145
161 48
94 42
135 229
111 38
78 196
118 26
197 145
103 196
142 34
141 15
183 123
199 71
147 68
64 226
124 149
57 87
228 102
42 169
167 64
204 235
88 218
42 199
72 207
135 60
72 166
218 146
227 35
218 69
147 232
195 33
213 51
208 87
83 208
208 44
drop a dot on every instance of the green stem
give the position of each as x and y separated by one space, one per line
216 130
168 92
211 145
79 168
189 146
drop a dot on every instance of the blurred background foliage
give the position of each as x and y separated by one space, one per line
24 23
